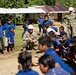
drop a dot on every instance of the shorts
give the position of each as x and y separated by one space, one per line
11 45
6 41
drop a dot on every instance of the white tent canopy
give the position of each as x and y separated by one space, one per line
21 10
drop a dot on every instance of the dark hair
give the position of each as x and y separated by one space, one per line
9 18
50 33
46 16
25 59
46 26
45 40
62 27
47 60
64 34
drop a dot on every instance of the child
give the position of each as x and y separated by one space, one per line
25 59
25 27
61 30
11 35
6 27
1 38
74 47
47 66
44 46
67 44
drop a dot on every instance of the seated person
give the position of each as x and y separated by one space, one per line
61 30
47 66
44 46
30 39
73 48
25 59
67 44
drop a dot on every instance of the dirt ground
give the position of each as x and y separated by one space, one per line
9 64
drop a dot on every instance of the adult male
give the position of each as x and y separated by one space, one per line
70 20
6 27
30 39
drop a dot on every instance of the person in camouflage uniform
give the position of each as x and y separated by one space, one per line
70 20
30 39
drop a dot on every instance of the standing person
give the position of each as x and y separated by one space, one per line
25 59
40 21
44 46
70 20
46 21
1 38
30 39
11 35
47 66
25 27
6 27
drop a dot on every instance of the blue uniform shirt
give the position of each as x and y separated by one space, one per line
55 28
57 71
7 26
1 31
47 22
67 42
27 72
40 20
61 33
11 36
57 59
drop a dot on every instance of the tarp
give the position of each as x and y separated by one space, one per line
21 10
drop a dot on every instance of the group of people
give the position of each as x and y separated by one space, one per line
54 45
7 33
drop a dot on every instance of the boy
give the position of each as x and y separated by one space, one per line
44 46
6 27
61 30
40 22
25 59
11 35
25 27
67 44
1 38
47 66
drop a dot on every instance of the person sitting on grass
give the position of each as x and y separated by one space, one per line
47 66
25 59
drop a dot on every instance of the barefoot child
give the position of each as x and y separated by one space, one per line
11 35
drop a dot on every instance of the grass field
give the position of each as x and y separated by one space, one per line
18 39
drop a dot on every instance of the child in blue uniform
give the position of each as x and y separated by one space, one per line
11 35
25 59
1 38
44 46
40 21
6 27
47 66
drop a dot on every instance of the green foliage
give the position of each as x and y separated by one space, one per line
11 3
50 2
68 3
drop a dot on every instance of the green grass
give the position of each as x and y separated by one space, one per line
18 39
